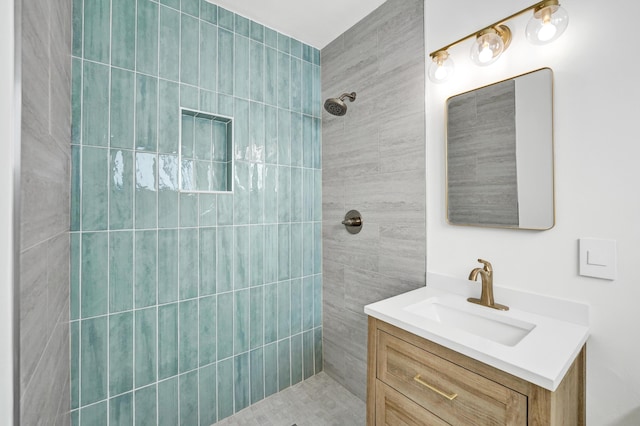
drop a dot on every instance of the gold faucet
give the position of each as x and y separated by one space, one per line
486 298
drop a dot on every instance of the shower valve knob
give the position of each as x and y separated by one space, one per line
352 221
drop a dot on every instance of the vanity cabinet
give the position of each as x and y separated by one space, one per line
413 381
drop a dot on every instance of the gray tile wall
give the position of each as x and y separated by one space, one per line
44 222
373 161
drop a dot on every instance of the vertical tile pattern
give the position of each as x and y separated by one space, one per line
377 57
189 306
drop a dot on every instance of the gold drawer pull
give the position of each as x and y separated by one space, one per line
438 391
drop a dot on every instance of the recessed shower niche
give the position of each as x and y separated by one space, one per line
206 152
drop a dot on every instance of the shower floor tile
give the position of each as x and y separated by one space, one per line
318 401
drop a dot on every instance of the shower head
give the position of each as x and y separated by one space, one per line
337 106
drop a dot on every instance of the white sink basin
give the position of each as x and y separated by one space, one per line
477 320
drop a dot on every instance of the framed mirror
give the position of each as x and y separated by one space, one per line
499 154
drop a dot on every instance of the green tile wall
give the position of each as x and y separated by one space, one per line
189 307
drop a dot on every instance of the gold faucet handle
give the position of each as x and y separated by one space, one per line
487 265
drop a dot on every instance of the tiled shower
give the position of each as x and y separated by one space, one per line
189 306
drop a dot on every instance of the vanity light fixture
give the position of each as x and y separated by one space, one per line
548 22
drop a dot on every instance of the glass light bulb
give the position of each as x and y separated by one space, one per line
487 48
441 68
547 24
486 54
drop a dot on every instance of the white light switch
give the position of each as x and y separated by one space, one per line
598 258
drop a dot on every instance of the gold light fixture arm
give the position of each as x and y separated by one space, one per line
537 7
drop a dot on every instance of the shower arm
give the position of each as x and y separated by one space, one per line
351 96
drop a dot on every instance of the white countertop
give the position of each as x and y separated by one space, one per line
542 357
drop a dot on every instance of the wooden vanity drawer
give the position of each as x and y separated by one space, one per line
395 409
449 391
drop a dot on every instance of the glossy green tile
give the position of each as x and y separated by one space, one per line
225 387
75 364
284 309
284 137
121 190
75 418
189 49
296 85
241 67
189 97
270 313
189 397
146 406
241 213
256 31
208 99
207 330
78 20
296 250
242 390
168 402
317 199
225 57
120 353
257 132
208 399
207 263
168 195
203 141
188 324
271 194
192 7
308 260
123 37
270 253
169 44
122 108
168 243
95 191
241 323
225 325
257 255
188 210
307 354
96 30
225 209
256 327
145 346
317 301
317 349
297 202
95 104
307 141
270 37
147 38
284 43
224 250
121 410
270 369
296 140
307 52
271 135
296 306
208 56
284 364
146 112
284 265
209 12
225 105
284 194
316 57
271 76
296 48
256 360
175 4
95 415
146 243
241 260
93 360
256 72
76 101
308 194
74 277
317 248
284 83
307 303
188 137
208 211
188 263
317 94
307 88
242 26
167 341
316 147
296 359
168 117
93 285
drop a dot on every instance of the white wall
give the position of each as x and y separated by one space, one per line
597 150
6 210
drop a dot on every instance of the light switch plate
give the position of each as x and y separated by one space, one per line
598 258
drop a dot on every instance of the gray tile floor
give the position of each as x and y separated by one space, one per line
318 401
